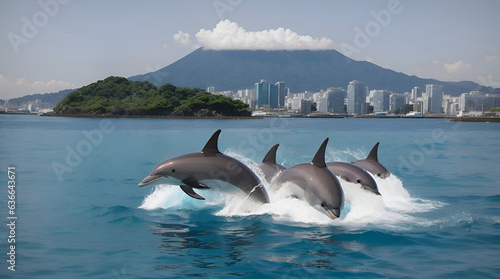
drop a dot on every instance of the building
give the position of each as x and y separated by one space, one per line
282 92
273 96
301 105
416 93
356 97
296 104
381 100
336 100
211 89
269 94
261 94
397 102
246 96
322 105
434 94
478 101
305 106
451 105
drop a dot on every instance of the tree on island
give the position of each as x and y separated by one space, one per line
120 96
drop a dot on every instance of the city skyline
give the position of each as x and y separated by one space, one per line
358 100
50 45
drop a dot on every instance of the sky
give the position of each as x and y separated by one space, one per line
51 45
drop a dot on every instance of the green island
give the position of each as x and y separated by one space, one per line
120 97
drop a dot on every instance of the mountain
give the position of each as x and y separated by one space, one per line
48 100
301 70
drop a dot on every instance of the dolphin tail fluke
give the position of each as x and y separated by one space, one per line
271 155
190 192
212 144
319 158
373 153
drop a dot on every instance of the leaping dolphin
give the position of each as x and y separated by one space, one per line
354 174
269 166
314 183
372 165
208 168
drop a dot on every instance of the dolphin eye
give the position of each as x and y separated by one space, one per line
173 170
359 180
378 174
323 204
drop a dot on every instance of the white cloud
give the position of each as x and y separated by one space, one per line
459 66
18 87
182 38
491 59
228 35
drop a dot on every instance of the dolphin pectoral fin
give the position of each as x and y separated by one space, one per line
189 191
193 183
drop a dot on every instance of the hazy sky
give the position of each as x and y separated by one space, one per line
50 45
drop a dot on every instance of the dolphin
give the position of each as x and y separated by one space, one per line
314 183
372 165
354 174
269 166
205 169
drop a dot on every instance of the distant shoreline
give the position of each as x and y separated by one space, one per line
451 118
151 116
477 119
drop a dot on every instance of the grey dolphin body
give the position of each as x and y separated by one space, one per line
372 165
269 166
205 169
316 184
354 174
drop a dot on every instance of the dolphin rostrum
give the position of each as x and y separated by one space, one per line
206 169
269 166
354 174
314 183
372 165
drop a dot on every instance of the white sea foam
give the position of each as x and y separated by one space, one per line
395 209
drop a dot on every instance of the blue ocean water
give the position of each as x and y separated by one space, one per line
82 215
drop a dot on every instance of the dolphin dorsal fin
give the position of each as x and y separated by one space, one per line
212 143
271 155
373 153
319 158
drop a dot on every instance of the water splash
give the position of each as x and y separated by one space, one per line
393 210
348 155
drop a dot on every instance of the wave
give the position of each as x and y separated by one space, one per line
395 209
